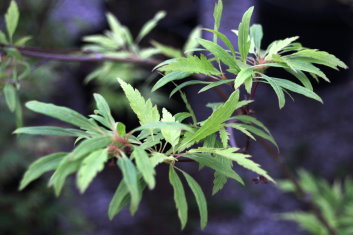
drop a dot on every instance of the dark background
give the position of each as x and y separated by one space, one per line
310 135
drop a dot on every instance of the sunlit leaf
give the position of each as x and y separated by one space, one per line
149 25
191 64
91 165
145 166
200 199
11 17
130 178
243 34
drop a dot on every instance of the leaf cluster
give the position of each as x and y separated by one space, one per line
161 139
335 201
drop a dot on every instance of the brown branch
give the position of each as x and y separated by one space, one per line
64 56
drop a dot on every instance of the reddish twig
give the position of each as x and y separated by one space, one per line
64 56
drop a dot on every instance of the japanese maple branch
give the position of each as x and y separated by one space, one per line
91 56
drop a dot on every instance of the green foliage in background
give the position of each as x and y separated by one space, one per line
334 200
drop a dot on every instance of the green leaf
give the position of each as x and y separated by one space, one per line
301 77
191 42
171 135
182 116
243 76
305 220
251 120
90 166
145 111
225 40
88 146
10 96
61 113
149 52
185 84
220 179
145 166
214 163
173 76
214 84
242 159
299 64
18 113
321 57
297 89
104 109
101 120
219 53
243 34
277 46
22 41
214 123
119 33
49 130
103 41
188 107
242 129
179 196
164 63
158 158
130 178
151 24
256 33
191 64
120 199
217 15
3 38
41 166
163 125
224 136
200 199
167 50
12 16
277 89
258 132
121 129
65 168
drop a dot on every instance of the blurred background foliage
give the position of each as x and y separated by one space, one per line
335 201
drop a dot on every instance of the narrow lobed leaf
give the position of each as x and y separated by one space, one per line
41 166
179 196
149 25
243 34
12 16
50 130
90 166
130 178
173 76
191 64
200 198
61 113
145 166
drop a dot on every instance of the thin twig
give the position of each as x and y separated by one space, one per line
64 56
